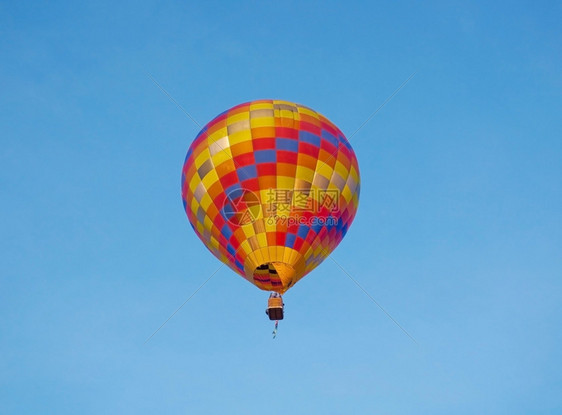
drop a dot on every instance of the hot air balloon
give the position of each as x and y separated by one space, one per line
271 188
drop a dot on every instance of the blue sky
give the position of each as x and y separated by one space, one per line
458 233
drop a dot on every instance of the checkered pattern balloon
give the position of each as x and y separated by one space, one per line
271 188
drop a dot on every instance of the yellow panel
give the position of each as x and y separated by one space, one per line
245 247
208 223
288 114
272 253
280 252
195 181
222 156
206 201
194 207
294 256
307 111
234 118
261 106
262 239
202 157
240 137
346 193
262 122
200 228
342 170
354 174
283 102
214 243
304 173
284 182
217 135
270 225
248 230
287 255
210 179
325 170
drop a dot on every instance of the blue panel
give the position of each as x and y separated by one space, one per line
265 156
311 138
228 211
344 141
303 231
247 172
326 135
290 240
316 227
287 144
226 231
235 186
339 224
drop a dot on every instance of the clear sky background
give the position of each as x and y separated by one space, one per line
458 233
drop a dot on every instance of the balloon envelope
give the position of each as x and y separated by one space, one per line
271 188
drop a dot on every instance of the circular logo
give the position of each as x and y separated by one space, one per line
241 207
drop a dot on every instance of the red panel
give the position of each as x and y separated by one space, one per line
289 157
244 159
228 179
264 143
327 146
267 169
308 149
286 132
251 184
311 235
280 238
328 126
298 243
